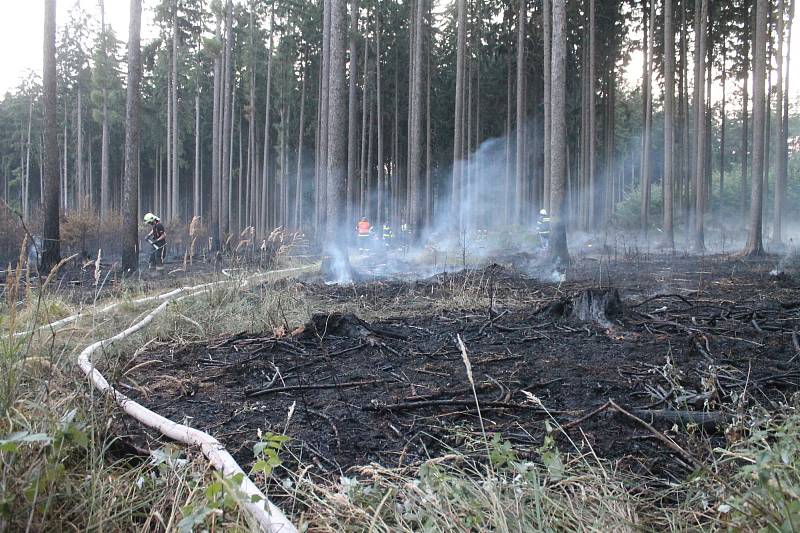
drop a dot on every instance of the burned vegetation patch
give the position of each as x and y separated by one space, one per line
634 360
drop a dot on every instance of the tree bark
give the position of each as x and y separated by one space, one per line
337 122
669 130
593 187
644 189
380 213
227 120
130 190
547 40
755 244
558 136
352 124
780 178
216 150
520 139
458 130
265 210
175 207
698 238
416 211
51 253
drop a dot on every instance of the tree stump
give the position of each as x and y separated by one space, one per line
591 305
597 305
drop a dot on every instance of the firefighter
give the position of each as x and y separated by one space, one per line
364 232
543 229
158 240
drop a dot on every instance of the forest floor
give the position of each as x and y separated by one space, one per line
377 375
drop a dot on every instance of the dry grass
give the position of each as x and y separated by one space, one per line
60 471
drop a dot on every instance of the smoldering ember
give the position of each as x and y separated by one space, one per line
399 266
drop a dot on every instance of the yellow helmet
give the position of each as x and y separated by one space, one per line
150 217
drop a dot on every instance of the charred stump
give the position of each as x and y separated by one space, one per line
591 305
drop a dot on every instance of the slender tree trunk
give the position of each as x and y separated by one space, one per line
196 210
428 159
755 244
458 130
648 118
780 178
547 39
723 126
745 123
227 119
669 132
216 151
337 122
175 207
80 182
698 238
298 191
322 203
593 186
51 253
364 141
265 210
416 211
352 124
130 190
380 215
558 136
521 100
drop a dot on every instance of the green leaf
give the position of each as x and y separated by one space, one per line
11 442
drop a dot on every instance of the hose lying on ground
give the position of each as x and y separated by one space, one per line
264 513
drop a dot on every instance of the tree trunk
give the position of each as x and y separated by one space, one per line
547 39
352 125
51 253
745 123
723 126
265 210
593 187
780 178
520 154
298 191
365 110
669 135
558 136
380 214
698 238
227 119
644 189
458 130
416 211
323 125
175 207
216 151
130 190
755 244
335 229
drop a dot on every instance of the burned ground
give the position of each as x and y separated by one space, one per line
380 376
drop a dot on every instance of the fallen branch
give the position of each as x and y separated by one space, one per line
659 435
457 403
291 388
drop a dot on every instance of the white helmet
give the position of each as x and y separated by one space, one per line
543 212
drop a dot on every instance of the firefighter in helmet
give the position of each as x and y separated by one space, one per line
543 229
363 232
158 240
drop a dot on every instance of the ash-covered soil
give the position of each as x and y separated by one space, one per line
389 385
